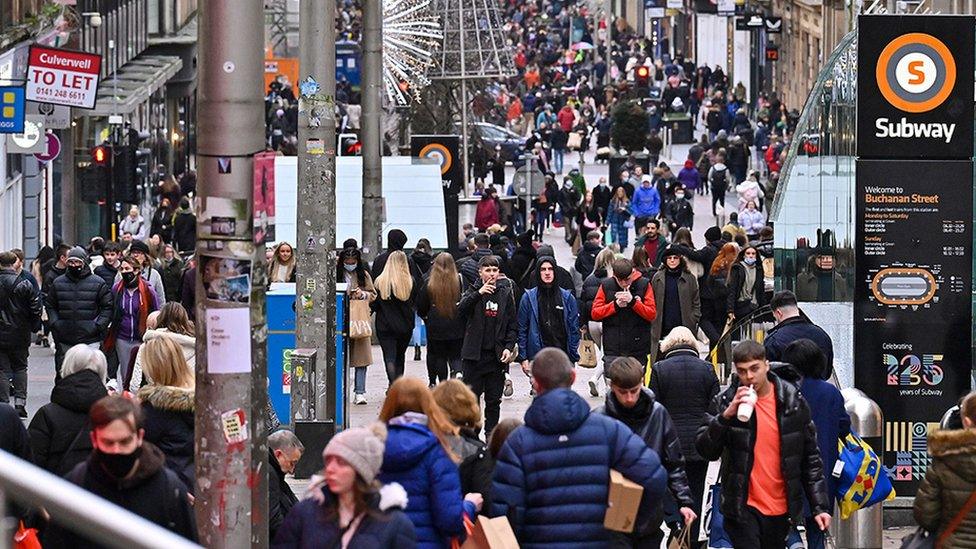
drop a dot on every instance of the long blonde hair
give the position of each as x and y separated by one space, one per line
395 280
163 363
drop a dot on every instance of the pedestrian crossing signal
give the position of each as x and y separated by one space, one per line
101 155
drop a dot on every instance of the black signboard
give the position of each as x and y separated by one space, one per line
912 308
915 86
445 150
773 25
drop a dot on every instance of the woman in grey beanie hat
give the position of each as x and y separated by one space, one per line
345 508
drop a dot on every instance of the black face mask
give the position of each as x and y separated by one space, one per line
129 278
116 465
76 271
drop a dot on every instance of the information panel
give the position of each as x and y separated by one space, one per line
912 311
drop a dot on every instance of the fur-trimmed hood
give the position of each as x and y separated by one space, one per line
165 397
957 449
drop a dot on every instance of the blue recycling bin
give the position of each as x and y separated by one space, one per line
280 303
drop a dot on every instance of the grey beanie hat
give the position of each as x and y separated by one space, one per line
78 253
361 447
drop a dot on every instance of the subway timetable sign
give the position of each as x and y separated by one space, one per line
63 77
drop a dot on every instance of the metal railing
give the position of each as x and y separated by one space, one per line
78 510
720 354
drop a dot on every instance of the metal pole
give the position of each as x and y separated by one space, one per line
316 273
231 386
465 146
372 129
863 530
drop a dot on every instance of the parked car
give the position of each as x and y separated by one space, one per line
512 144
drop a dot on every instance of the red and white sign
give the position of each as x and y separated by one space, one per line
63 77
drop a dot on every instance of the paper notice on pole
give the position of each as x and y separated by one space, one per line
229 341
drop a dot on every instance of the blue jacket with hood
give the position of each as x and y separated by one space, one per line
529 332
646 202
415 459
552 476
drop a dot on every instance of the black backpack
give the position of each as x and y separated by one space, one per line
720 179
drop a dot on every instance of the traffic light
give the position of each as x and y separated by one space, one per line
101 155
641 76
124 178
95 177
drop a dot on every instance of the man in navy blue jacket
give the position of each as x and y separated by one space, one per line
552 476
791 325
548 316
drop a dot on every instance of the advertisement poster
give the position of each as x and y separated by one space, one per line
264 197
912 301
915 86
446 151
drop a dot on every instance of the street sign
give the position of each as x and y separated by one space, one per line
53 146
773 25
772 53
11 109
63 77
29 141
56 117
752 21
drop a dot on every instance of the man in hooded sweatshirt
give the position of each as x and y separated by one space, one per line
79 307
548 316
646 203
395 241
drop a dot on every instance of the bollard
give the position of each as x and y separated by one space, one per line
864 529
302 385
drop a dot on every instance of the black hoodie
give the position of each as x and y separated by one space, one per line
59 430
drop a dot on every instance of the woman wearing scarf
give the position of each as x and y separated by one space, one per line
135 298
676 298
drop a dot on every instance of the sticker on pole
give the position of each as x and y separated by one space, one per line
234 425
63 77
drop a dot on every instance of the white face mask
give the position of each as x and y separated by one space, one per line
679 196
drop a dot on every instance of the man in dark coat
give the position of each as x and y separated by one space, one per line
586 258
792 325
551 477
184 228
771 463
80 306
129 472
468 266
629 402
563 279
112 260
490 336
20 316
395 241
285 450
625 305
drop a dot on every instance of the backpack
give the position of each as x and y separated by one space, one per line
719 179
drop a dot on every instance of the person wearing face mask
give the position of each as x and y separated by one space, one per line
80 307
646 204
569 202
679 211
128 471
676 298
352 270
134 300
139 250
746 288
601 198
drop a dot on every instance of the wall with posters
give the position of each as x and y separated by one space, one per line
913 221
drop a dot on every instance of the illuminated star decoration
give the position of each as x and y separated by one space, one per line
411 35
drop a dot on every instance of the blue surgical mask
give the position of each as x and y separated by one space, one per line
750 261
349 268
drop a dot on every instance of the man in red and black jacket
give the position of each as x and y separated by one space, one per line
625 305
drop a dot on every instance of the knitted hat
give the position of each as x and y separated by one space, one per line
139 246
78 253
361 447
712 234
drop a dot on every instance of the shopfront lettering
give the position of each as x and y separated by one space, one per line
908 130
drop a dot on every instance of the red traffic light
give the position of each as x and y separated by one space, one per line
643 72
101 155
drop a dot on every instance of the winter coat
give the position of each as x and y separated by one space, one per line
152 491
79 310
486 213
831 420
107 272
718 177
685 385
20 310
552 476
586 258
415 459
679 213
423 260
626 330
172 276
468 266
137 227
737 278
59 431
530 334
184 231
601 197
689 301
472 308
752 221
188 344
440 326
281 499
651 421
948 483
591 285
521 265
646 202
394 318
168 421
315 525
476 464
162 224
689 177
361 350
188 294
734 442
792 329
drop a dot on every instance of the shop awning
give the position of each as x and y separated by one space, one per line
137 80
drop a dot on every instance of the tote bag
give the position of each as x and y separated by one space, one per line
360 326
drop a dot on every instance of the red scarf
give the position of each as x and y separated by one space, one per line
145 297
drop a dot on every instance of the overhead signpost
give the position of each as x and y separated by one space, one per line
63 77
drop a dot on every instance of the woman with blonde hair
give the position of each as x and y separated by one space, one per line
437 303
461 405
171 322
167 406
394 312
418 456
282 266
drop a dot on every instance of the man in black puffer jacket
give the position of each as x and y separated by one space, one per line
629 402
771 462
20 316
685 385
468 266
79 307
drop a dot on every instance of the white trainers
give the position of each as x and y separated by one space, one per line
509 390
359 399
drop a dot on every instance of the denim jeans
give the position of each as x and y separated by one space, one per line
557 160
360 382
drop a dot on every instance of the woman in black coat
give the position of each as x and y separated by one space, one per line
746 286
437 304
167 406
394 308
59 432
